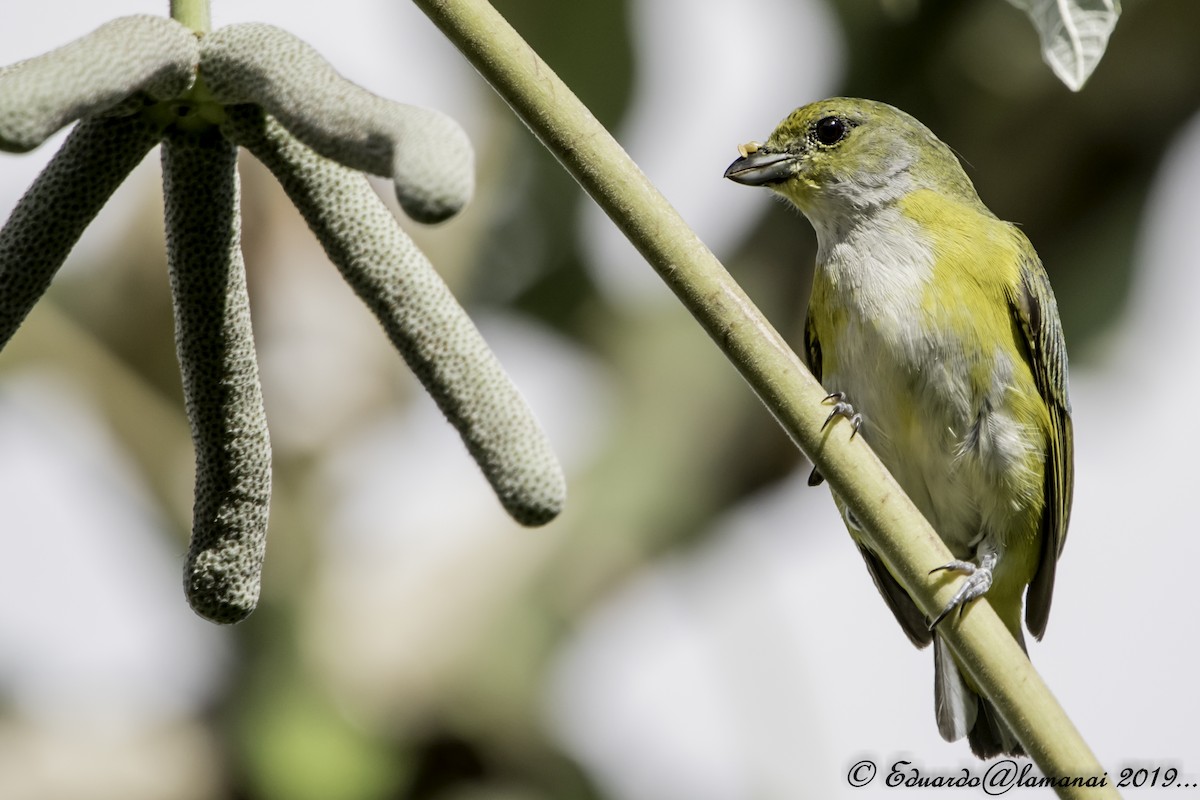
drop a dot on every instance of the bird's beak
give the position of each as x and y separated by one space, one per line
761 169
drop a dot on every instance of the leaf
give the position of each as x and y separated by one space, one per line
1074 34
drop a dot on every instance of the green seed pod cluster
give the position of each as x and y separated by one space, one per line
140 81
439 342
424 152
109 67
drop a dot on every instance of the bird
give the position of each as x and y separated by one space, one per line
933 326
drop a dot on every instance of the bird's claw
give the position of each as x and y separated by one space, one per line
843 409
840 409
815 478
976 584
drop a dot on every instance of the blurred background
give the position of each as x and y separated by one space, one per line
697 625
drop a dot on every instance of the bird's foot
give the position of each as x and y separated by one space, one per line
843 409
840 409
976 584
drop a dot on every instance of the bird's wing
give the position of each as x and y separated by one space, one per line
812 355
812 348
1036 313
907 614
914 623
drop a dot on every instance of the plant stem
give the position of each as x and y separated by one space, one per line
892 526
193 13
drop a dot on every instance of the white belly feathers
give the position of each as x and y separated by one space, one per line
947 442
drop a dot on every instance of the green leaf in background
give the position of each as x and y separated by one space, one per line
1074 34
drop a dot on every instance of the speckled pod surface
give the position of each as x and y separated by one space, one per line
139 54
420 315
138 81
97 156
220 375
424 152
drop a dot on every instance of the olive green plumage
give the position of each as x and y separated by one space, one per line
936 323
138 81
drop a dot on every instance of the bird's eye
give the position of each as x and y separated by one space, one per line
830 130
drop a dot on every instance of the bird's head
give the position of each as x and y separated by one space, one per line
846 156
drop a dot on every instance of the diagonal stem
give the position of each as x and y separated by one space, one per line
892 526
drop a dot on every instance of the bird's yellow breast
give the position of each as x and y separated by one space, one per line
910 307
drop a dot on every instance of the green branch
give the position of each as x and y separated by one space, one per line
892 526
192 13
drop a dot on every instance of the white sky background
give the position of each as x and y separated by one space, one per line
726 674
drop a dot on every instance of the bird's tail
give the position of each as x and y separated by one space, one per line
961 711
